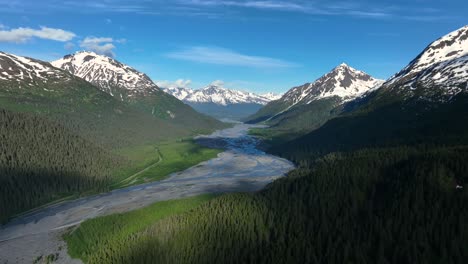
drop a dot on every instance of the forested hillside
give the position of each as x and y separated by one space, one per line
382 124
395 205
382 182
41 161
63 136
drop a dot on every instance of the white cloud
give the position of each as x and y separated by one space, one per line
180 83
221 56
21 35
99 45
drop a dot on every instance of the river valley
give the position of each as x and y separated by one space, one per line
242 167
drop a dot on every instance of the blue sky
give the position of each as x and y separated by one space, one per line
259 46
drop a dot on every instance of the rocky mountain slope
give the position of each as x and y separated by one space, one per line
111 76
28 72
34 86
439 72
343 82
309 105
133 87
425 103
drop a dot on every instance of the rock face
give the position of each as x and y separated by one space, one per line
111 76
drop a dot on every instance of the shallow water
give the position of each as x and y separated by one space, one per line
241 167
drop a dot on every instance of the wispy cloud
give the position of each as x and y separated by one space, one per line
101 45
222 56
289 6
180 83
222 8
21 35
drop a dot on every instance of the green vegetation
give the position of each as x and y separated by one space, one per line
42 161
155 162
296 121
396 205
66 138
102 235
385 123
385 183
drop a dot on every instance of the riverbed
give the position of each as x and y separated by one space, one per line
242 167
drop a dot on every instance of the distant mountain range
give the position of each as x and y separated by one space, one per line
221 102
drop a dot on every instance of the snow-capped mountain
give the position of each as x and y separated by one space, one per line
220 102
129 85
443 64
29 72
217 94
342 82
111 76
311 104
272 96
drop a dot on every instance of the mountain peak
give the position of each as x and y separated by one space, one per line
107 73
343 82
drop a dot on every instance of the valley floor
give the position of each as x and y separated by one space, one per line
240 168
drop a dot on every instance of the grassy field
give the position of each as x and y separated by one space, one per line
155 162
103 233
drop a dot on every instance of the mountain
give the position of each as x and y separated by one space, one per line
307 106
221 102
343 82
113 77
440 70
133 87
424 103
34 86
24 71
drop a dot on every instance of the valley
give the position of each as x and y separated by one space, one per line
241 167
191 132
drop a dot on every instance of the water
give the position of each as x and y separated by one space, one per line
242 167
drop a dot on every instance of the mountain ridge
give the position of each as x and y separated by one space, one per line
441 68
424 103
308 106
107 73
127 84
218 94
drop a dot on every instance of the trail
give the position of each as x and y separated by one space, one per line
134 176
